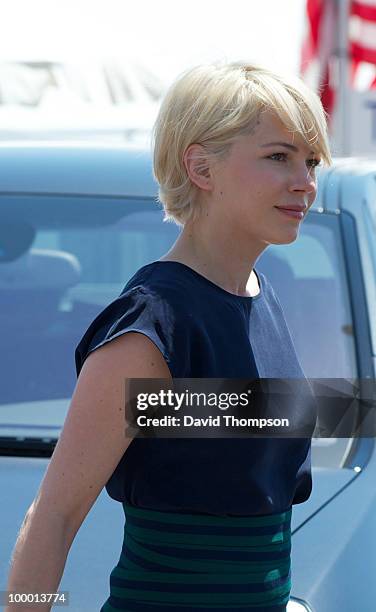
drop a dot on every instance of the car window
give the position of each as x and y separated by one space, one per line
371 230
65 258
369 212
309 277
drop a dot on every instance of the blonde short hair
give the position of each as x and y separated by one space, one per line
213 105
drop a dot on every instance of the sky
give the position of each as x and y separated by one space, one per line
167 36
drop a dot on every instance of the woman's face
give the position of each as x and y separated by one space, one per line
258 177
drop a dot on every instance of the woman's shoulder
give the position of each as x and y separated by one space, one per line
159 280
150 303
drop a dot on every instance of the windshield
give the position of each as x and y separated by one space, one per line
63 259
310 280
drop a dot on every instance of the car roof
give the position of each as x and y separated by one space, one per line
112 169
347 175
82 168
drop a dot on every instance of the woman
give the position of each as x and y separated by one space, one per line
207 520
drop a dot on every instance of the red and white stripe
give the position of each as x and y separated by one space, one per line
362 42
316 58
318 64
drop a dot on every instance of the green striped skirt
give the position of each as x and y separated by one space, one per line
172 561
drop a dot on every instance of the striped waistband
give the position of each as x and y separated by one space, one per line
202 562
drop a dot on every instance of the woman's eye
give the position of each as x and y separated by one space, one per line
313 163
280 155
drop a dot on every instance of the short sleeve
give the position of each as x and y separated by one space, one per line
136 310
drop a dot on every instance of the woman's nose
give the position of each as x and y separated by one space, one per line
305 181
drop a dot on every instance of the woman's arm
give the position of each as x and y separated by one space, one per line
89 448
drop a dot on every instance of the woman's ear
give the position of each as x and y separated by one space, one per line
198 167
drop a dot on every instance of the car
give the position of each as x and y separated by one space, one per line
76 222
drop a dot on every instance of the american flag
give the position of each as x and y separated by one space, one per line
319 66
362 33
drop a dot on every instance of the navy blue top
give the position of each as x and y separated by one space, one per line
204 331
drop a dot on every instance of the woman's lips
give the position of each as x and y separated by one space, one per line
294 214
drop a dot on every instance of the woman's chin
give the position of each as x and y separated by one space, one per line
285 237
